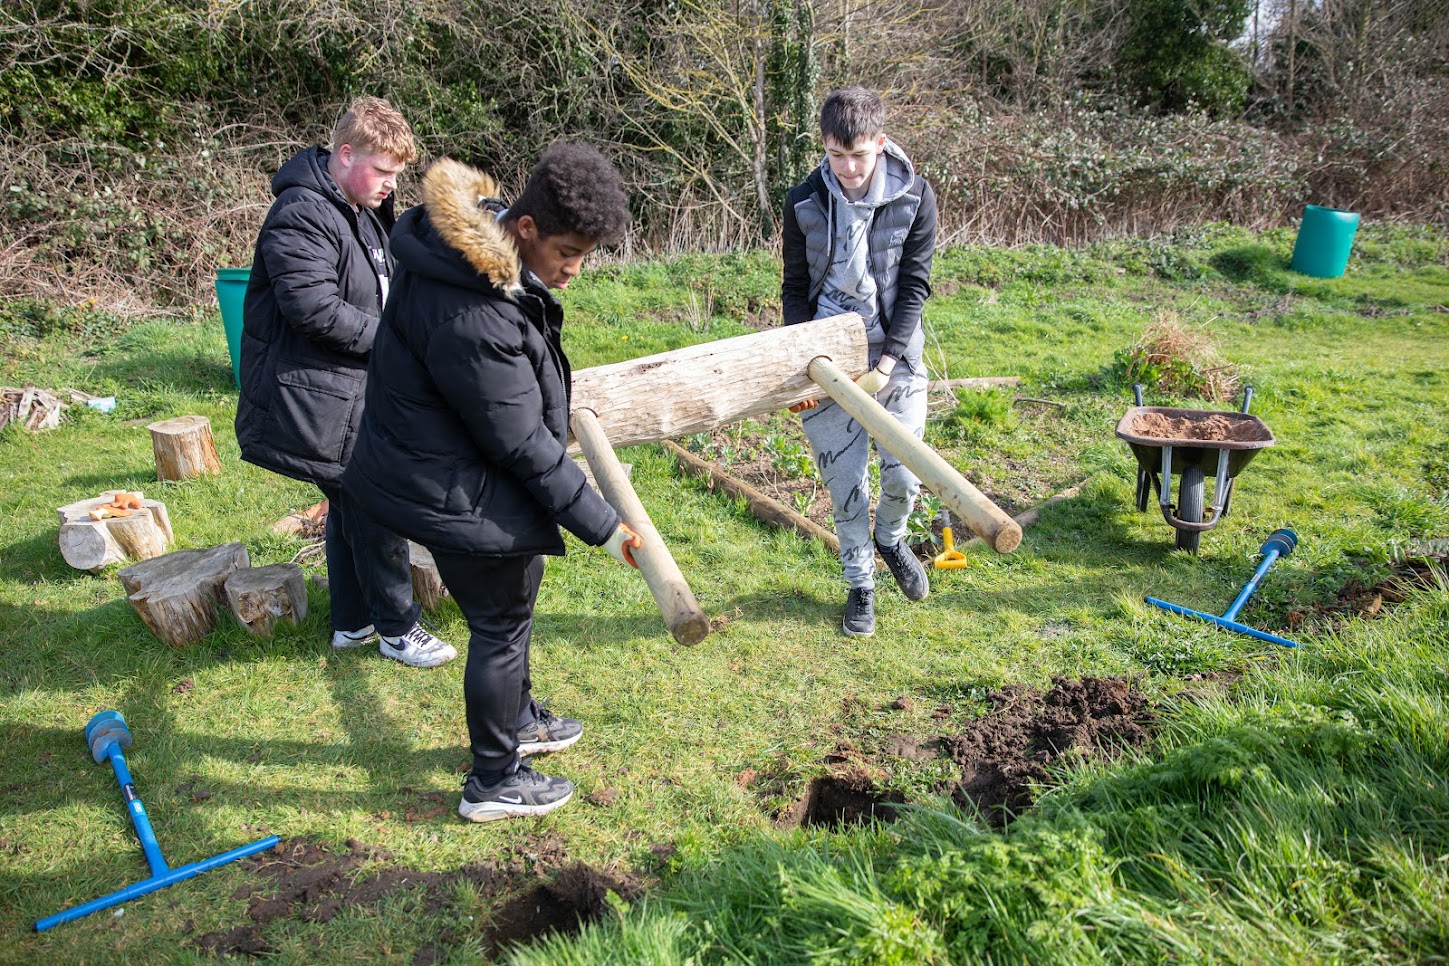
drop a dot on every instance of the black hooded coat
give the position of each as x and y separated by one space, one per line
311 314
462 443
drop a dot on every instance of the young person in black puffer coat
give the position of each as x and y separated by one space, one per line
462 444
318 282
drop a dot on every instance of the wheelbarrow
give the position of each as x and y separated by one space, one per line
1192 443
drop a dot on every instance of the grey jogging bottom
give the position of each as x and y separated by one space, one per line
842 454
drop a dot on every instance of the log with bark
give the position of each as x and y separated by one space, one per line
702 387
98 532
184 448
261 596
428 586
179 595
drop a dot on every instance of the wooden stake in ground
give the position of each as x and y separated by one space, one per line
702 387
184 448
1000 532
261 596
97 533
682 614
178 595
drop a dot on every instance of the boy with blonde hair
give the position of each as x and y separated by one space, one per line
318 283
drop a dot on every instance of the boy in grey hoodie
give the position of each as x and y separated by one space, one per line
859 235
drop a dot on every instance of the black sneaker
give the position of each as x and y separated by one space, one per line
548 732
906 569
523 794
860 613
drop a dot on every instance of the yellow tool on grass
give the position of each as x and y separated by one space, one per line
950 558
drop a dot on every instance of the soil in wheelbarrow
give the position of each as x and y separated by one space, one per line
1208 428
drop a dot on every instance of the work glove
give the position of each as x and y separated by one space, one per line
875 380
803 405
622 544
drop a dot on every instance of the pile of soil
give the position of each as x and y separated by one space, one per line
1005 752
305 881
1207 427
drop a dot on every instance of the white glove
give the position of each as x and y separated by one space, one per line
875 380
622 543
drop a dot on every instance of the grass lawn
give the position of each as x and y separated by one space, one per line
1289 806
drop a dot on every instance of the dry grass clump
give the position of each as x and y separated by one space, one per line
1173 359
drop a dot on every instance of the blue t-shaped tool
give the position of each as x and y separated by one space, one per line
1280 543
108 736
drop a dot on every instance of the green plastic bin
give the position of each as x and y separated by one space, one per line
231 292
1325 239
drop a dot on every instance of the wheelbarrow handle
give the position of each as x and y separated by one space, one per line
1137 393
1247 397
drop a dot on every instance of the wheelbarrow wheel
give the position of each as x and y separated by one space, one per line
1189 508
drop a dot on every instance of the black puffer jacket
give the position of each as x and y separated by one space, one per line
311 315
462 441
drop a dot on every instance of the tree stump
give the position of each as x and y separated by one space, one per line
178 595
88 543
184 448
261 596
428 587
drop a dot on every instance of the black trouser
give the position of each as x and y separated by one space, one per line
369 572
496 595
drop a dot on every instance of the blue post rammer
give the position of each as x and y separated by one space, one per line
108 737
1280 543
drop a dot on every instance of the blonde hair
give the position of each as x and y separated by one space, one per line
373 126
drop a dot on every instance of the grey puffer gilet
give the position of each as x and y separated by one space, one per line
908 203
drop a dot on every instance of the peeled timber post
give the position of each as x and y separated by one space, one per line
989 521
682 614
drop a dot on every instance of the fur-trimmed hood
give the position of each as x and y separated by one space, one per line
454 235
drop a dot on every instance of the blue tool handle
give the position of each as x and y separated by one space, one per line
137 809
1222 622
1279 543
156 882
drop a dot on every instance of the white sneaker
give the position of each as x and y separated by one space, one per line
341 640
417 647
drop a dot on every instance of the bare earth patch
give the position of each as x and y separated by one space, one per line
1005 752
305 881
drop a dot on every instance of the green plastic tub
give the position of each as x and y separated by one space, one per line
231 292
1325 239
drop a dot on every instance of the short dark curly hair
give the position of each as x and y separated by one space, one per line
574 188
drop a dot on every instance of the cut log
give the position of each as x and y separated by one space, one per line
985 518
178 595
184 448
765 508
682 614
261 596
428 586
702 387
87 543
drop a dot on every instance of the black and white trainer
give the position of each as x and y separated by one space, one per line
417 647
859 613
341 640
548 732
523 794
906 569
